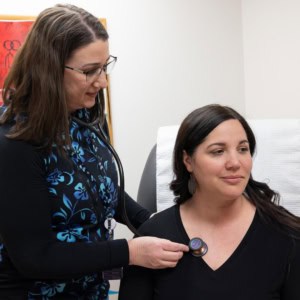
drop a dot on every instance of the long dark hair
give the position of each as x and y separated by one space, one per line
33 90
192 132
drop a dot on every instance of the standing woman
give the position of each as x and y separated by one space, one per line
58 180
244 246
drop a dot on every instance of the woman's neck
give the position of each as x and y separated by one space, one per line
215 210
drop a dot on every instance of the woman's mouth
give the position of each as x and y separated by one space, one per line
92 95
233 179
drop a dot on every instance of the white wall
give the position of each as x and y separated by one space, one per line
176 55
271 35
173 56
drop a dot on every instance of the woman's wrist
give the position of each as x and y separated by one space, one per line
131 249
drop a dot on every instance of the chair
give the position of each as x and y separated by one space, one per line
147 189
276 162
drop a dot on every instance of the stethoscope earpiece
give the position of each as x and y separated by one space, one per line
198 247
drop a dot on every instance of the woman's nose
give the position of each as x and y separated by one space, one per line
232 162
101 81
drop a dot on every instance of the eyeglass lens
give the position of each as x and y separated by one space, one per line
107 68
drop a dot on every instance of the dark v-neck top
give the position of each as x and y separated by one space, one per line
265 266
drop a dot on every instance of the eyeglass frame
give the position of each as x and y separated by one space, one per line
103 68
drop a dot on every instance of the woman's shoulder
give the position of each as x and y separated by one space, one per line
4 129
6 141
160 222
273 229
11 148
163 214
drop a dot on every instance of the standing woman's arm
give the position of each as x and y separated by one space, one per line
135 212
25 222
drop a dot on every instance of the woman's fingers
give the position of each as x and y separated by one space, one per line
171 246
155 253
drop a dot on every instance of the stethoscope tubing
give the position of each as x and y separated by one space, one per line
121 195
200 250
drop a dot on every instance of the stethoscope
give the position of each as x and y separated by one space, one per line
196 245
93 126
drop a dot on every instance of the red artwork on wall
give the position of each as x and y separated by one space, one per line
12 36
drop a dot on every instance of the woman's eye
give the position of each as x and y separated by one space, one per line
244 149
217 152
92 72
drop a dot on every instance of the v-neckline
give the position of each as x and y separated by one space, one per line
233 255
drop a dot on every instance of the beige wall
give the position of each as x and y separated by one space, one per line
176 55
271 41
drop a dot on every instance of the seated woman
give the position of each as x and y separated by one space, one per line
243 244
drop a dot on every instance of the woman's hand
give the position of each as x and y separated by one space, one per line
155 253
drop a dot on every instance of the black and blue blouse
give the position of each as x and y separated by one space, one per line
53 244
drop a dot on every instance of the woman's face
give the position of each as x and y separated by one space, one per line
80 89
222 164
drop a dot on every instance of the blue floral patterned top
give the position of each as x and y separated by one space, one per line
53 242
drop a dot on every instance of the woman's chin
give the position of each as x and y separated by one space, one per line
89 104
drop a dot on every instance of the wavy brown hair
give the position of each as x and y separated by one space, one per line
34 94
193 131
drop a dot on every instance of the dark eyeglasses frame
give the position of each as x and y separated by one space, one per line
103 68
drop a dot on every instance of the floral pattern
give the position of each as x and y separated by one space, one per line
82 186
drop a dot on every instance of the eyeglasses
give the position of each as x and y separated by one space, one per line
91 75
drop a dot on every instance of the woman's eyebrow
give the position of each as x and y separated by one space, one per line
223 143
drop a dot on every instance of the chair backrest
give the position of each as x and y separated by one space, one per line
276 162
147 189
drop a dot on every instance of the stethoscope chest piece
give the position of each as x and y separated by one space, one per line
198 247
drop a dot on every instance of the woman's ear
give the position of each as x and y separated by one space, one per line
187 160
